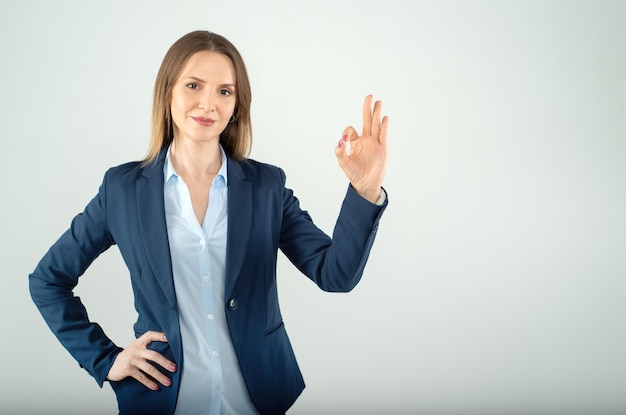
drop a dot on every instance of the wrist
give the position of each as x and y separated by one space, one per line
371 195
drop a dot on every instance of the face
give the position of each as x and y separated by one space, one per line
203 97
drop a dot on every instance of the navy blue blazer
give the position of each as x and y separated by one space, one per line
263 216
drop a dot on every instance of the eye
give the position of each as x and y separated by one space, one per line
225 92
192 85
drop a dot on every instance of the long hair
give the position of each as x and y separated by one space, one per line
237 136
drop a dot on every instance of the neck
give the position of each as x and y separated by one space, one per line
195 159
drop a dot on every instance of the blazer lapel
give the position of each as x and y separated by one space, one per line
239 223
151 213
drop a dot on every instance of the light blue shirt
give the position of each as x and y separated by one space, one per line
211 380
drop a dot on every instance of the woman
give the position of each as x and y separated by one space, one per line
198 225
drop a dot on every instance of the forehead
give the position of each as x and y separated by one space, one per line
209 66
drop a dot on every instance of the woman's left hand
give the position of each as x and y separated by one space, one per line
364 158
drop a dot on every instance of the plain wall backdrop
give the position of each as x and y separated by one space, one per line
497 282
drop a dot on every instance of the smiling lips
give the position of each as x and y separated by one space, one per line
206 122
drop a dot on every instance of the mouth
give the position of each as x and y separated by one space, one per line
206 122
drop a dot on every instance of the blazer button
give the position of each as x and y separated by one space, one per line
232 304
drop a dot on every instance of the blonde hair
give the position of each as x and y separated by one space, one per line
237 136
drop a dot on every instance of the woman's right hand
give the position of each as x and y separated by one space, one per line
134 361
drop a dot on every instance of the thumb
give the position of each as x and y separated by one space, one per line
344 147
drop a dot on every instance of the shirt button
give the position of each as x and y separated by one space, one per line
217 391
202 242
216 353
232 304
210 316
206 278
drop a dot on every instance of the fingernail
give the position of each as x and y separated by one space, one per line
340 143
345 137
164 337
167 382
173 367
155 387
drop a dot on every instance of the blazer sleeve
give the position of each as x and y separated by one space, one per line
335 264
56 275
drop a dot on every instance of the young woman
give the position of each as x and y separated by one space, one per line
199 225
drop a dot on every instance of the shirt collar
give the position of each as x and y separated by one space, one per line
168 168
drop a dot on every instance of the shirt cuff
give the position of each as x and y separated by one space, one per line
382 198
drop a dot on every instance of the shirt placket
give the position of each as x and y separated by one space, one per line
211 332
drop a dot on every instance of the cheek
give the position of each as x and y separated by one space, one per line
177 117
177 107
181 101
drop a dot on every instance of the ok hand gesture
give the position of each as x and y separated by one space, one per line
364 158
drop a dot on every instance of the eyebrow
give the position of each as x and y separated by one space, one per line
203 81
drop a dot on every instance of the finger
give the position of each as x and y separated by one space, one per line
154 373
382 138
152 336
344 147
145 380
378 105
340 151
367 115
349 134
160 360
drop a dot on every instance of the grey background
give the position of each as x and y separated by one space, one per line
497 282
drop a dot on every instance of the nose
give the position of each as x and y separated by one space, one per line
206 102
